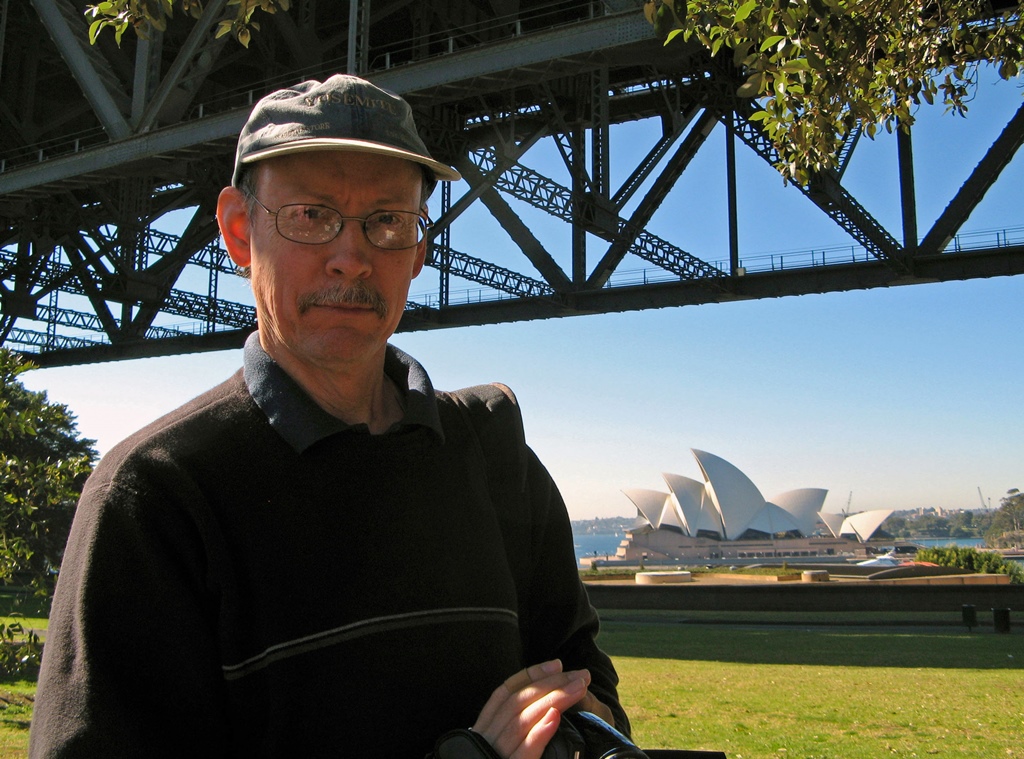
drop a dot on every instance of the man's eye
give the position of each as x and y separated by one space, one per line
311 213
388 219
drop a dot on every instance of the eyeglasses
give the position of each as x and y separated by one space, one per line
317 225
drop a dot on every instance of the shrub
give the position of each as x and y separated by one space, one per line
973 560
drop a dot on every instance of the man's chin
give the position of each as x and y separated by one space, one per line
345 344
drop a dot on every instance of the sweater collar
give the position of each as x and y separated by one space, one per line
301 422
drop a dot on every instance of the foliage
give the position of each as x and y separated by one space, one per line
43 465
145 16
972 560
819 69
966 523
1008 522
20 648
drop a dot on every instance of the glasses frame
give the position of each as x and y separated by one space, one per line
424 223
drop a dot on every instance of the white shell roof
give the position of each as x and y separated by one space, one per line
728 503
772 519
699 513
834 522
672 515
803 505
729 486
865 523
650 503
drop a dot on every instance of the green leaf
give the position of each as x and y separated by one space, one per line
672 35
94 29
745 10
771 42
751 87
795 65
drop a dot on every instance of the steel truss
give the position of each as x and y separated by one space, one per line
109 176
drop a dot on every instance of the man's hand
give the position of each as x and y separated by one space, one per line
591 704
522 714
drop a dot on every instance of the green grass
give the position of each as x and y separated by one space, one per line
15 713
812 686
16 693
29 610
822 693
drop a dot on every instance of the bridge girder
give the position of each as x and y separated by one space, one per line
109 176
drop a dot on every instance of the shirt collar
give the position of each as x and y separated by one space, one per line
301 422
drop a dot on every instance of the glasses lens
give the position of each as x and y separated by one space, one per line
394 230
308 224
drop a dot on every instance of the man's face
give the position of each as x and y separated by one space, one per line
297 286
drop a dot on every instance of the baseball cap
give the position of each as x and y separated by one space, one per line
341 113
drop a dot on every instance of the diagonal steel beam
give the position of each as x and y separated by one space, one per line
978 183
71 46
827 193
553 198
633 229
200 33
521 235
492 275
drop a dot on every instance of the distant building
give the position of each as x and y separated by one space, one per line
726 517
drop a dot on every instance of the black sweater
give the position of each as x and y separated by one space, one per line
224 595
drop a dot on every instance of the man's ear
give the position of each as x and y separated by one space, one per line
421 249
235 228
421 257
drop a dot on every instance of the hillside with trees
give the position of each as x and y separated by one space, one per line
999 528
43 466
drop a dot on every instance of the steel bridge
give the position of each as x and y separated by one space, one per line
111 159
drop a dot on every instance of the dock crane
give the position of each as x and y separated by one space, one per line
989 506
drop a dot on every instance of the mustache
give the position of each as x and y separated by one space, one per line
356 294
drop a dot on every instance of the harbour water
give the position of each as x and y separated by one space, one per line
590 545
943 542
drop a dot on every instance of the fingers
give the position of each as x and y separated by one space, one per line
523 713
522 678
590 703
536 740
525 677
514 684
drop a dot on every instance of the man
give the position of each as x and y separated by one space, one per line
321 556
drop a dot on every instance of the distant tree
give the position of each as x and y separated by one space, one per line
1008 522
819 69
43 465
896 526
931 526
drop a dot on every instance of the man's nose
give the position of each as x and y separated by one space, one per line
350 252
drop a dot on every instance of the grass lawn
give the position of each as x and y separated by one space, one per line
759 691
16 693
756 688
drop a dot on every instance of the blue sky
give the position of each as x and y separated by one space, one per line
903 397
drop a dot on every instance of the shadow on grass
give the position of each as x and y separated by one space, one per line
633 635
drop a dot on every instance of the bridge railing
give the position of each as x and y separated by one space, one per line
765 262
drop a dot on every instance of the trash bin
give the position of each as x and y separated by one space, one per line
1001 620
970 616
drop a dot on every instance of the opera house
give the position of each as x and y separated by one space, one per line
726 517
